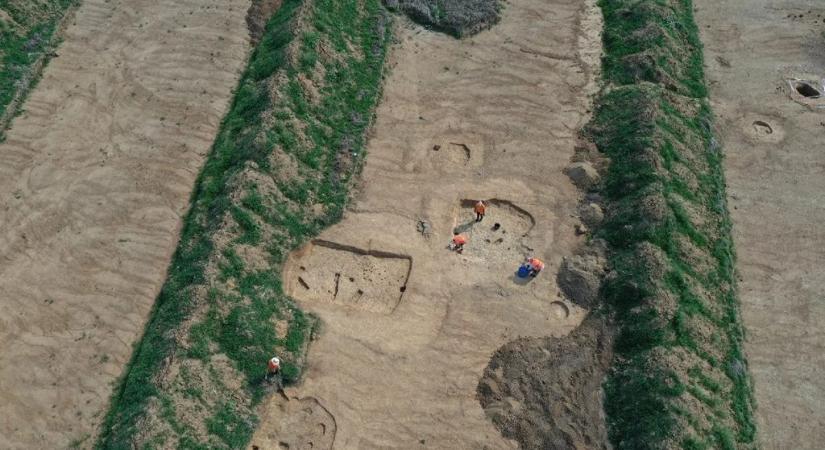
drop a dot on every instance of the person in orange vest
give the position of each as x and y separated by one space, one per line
273 368
536 266
458 242
480 208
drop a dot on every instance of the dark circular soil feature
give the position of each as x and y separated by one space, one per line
806 90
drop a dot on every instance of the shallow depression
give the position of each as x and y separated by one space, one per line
497 239
559 310
762 128
806 89
334 273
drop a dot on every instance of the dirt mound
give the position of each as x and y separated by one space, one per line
654 42
583 175
546 392
580 275
671 285
457 17
258 15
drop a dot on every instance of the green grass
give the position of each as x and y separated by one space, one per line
678 348
22 42
273 211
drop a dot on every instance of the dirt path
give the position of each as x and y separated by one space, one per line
776 183
408 327
94 177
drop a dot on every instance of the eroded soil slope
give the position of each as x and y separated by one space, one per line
493 117
776 189
94 177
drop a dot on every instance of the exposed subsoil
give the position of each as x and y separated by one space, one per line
325 272
490 117
775 165
295 424
94 178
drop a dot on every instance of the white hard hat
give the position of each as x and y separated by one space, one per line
276 360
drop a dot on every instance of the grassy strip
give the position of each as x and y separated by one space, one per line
679 379
278 173
25 37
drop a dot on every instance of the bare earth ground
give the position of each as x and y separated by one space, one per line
776 185
408 329
94 178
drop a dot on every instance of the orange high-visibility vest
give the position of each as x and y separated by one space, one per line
480 208
536 263
459 239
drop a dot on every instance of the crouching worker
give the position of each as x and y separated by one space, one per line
536 266
273 369
457 244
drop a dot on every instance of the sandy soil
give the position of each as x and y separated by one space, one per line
94 178
492 117
776 186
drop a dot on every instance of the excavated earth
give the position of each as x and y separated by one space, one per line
409 327
546 392
94 178
775 169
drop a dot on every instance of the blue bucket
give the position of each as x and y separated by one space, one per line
523 271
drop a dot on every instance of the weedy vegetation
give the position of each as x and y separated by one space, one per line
679 378
27 38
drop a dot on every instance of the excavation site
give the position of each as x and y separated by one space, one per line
412 224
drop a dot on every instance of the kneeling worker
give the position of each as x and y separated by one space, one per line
458 242
536 266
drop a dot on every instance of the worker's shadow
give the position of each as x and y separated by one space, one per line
270 385
464 227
